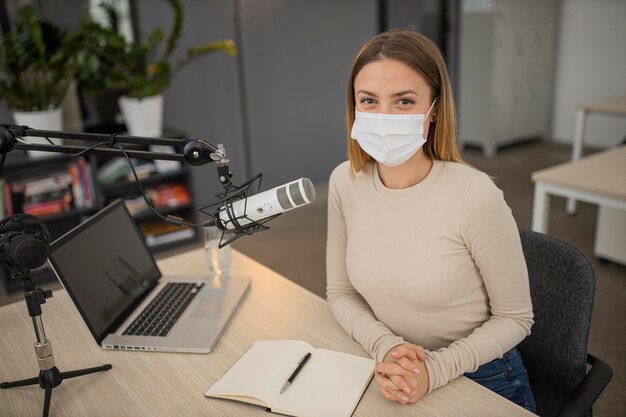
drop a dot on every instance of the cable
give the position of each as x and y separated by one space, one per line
84 151
177 221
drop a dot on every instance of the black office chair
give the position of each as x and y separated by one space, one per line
562 288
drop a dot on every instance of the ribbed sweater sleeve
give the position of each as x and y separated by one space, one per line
493 241
348 306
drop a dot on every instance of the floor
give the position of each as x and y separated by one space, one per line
295 247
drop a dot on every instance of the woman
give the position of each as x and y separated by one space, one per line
422 249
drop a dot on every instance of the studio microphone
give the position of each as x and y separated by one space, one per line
23 241
267 204
27 251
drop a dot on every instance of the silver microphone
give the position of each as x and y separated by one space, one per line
268 203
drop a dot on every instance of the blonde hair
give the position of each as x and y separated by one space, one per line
421 54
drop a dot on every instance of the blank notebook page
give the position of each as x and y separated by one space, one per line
330 384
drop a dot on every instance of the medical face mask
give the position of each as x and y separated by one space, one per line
391 139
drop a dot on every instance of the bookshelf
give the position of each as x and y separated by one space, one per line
63 192
59 190
158 179
170 193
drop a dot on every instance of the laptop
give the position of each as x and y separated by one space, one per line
108 271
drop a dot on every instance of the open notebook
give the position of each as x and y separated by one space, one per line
330 384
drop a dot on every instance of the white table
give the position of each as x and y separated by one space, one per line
612 106
173 384
599 178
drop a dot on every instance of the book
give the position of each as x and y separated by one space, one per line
8 199
84 182
136 205
76 187
3 210
54 182
60 189
331 383
153 240
113 170
158 228
46 207
169 195
165 166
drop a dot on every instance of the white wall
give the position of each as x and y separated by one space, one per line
591 65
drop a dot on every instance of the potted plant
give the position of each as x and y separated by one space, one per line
108 63
37 66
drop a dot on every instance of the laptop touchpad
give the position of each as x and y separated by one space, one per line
209 308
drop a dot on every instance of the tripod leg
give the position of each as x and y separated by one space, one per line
20 383
46 400
86 371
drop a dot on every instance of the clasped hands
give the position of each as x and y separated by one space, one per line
402 375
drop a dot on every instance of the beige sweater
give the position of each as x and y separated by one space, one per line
438 264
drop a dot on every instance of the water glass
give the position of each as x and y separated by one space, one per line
217 259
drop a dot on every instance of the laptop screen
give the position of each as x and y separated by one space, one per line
105 266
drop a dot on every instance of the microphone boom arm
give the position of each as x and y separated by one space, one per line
195 151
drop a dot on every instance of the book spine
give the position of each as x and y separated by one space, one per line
85 182
169 237
55 182
92 185
170 195
48 207
2 199
78 198
8 197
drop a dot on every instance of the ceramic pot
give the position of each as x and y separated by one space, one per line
44 120
143 117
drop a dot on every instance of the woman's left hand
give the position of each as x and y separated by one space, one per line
390 375
403 376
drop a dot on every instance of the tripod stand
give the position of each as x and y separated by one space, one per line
49 375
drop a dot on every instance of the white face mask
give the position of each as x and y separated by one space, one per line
391 139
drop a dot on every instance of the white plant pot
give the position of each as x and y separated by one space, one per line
143 117
44 120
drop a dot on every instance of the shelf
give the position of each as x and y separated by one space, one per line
175 244
18 161
68 214
149 215
18 166
121 187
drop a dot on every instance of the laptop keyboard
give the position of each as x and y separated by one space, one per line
158 318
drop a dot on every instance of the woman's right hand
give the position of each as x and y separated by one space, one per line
402 376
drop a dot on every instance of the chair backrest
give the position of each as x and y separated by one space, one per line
562 288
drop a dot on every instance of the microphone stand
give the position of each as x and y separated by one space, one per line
49 375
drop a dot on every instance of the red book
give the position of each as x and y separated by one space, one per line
47 207
79 200
84 181
8 197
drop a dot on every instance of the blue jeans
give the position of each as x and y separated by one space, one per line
508 378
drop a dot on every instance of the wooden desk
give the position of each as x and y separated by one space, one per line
170 384
599 179
612 106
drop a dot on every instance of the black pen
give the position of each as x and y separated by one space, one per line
295 373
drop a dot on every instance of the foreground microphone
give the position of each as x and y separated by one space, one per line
268 203
23 241
27 251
